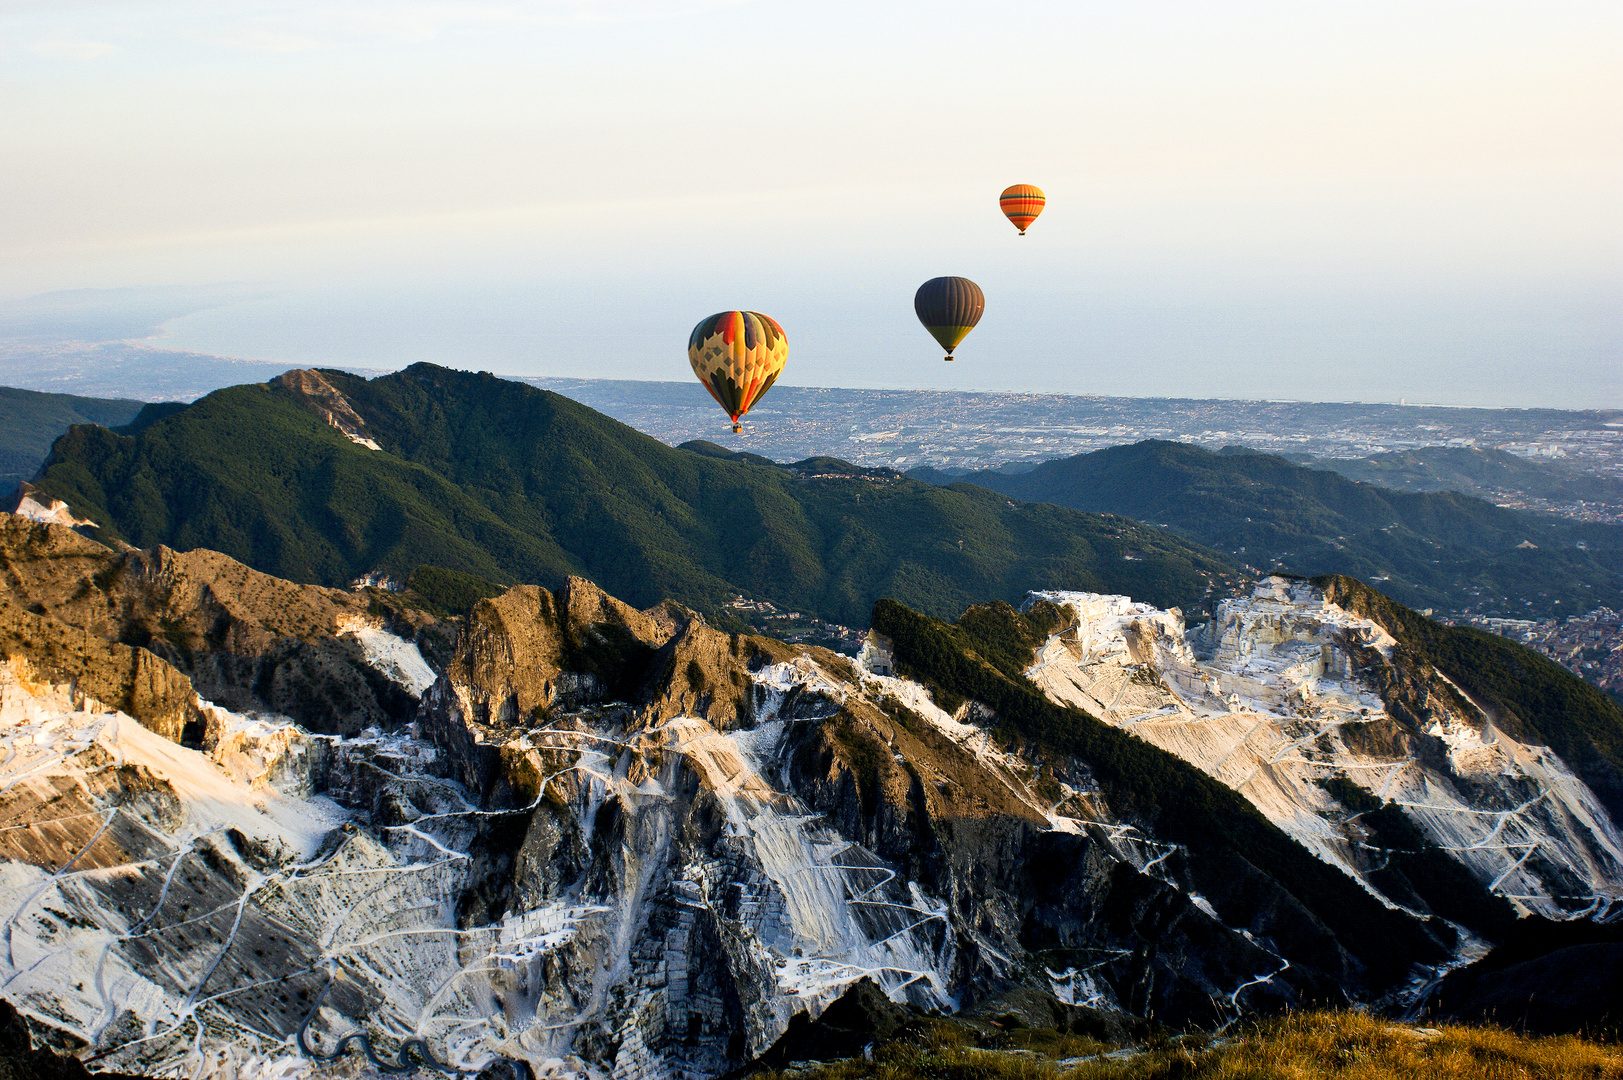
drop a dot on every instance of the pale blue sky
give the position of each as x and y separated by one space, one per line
1315 200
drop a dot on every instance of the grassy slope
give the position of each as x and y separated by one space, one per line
1306 1046
30 421
1437 547
983 657
512 483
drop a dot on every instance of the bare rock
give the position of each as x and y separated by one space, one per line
245 640
40 649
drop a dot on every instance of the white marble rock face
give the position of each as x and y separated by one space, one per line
621 889
182 912
1263 698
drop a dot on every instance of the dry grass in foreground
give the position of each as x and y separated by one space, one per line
1308 1046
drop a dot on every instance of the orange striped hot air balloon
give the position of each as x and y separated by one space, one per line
737 355
1021 204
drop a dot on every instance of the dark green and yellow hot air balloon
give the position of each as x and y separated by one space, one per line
1021 204
737 355
949 307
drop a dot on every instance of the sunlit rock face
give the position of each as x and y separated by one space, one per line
744 830
204 624
1280 693
619 843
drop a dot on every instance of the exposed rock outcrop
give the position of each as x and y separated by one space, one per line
324 399
622 843
20 1059
245 640
38 650
1318 716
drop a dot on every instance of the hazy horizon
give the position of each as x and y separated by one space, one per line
1258 201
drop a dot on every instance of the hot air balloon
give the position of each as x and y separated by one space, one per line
1021 204
949 307
737 355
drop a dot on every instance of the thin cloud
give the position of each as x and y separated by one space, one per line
281 26
73 50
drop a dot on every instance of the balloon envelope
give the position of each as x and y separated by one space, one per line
737 355
949 307
1021 204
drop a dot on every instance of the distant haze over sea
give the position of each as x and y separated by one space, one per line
1249 200
1507 351
1520 352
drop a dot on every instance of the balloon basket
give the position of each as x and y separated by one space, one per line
947 357
738 429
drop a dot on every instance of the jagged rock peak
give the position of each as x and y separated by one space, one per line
529 650
519 652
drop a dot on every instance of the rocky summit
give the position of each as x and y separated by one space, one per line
255 828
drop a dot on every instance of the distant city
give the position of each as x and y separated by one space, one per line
957 431
1589 645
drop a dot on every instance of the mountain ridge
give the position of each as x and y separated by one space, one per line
511 483
1440 550
31 420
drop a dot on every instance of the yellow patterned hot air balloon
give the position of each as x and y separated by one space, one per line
737 355
1021 204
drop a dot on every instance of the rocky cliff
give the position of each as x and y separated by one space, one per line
327 658
612 842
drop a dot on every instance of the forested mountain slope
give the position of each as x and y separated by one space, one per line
325 477
1426 549
30 421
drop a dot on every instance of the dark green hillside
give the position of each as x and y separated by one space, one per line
983 656
31 421
1428 549
1529 696
511 483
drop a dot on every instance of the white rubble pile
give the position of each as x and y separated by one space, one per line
394 657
